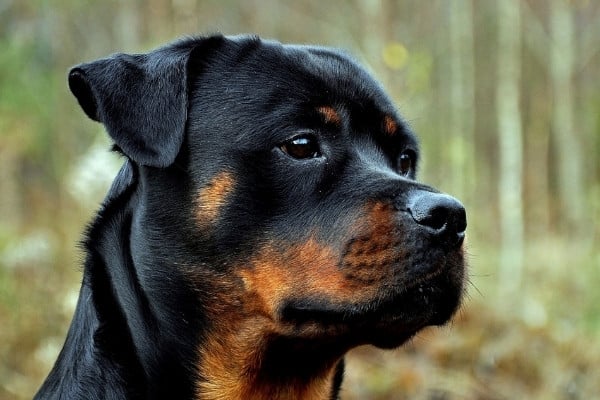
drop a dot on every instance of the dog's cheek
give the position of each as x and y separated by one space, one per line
352 268
279 273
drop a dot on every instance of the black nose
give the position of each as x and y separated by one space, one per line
441 214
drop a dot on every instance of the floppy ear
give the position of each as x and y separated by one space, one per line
142 99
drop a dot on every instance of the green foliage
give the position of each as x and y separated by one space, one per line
28 97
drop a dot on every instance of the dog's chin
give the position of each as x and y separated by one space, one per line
398 320
386 322
392 327
390 339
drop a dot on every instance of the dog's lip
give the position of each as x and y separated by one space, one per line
399 309
404 310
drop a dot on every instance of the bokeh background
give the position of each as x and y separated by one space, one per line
505 96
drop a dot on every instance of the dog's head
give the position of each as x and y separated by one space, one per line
283 179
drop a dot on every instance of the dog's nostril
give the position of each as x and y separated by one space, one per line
435 218
460 220
439 212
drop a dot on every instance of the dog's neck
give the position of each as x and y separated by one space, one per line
121 334
244 361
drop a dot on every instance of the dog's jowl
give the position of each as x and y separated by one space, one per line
266 220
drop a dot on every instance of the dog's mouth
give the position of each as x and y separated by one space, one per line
388 320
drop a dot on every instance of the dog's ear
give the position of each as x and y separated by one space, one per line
142 99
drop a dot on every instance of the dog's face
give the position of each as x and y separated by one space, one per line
294 186
301 162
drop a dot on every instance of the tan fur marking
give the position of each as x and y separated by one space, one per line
389 125
236 353
330 115
231 365
233 353
372 255
309 268
212 197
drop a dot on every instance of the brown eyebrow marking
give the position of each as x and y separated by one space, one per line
389 125
212 197
330 115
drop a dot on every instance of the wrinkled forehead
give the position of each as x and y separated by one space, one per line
345 91
339 79
277 86
249 68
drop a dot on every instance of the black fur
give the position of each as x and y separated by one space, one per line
190 110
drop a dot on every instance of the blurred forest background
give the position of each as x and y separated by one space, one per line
505 96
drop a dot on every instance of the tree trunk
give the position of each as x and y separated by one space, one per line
462 98
510 186
567 147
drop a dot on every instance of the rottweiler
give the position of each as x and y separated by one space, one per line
266 220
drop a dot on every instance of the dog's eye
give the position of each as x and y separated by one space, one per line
405 163
301 147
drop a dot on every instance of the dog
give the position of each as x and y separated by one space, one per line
266 220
